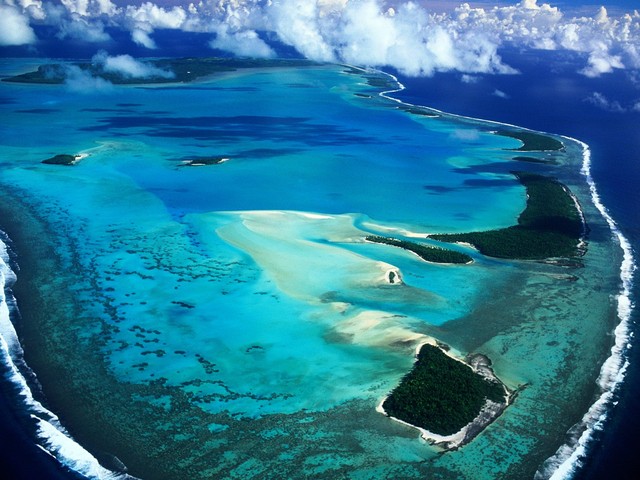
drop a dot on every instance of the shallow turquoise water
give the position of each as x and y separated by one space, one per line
231 315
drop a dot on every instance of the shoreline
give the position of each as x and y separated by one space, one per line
48 443
490 411
422 251
505 407
570 455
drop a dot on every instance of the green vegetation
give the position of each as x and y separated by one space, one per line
422 111
380 81
550 225
184 69
532 141
441 394
203 161
532 160
62 159
428 253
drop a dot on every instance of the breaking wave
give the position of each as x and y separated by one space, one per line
51 436
570 456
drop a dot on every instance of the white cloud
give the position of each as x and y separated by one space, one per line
404 34
81 81
299 24
155 16
245 43
90 7
500 94
604 103
14 27
141 37
601 62
608 43
79 28
466 78
128 67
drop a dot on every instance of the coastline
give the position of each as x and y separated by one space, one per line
48 446
490 411
424 252
16 421
571 454
496 417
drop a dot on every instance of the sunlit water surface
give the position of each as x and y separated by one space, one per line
228 321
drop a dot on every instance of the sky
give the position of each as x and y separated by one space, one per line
417 38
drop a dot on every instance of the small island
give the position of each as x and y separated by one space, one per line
427 253
203 161
421 111
373 78
551 225
448 400
531 141
63 159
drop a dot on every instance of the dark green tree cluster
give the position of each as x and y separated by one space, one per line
62 159
550 225
426 252
441 394
532 141
416 110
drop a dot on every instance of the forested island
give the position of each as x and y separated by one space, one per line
203 161
441 394
62 159
182 70
417 110
532 141
426 252
550 226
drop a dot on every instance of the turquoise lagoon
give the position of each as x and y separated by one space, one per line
229 321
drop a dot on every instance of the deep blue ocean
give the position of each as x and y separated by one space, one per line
560 102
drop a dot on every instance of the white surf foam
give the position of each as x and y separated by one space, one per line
570 456
54 439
